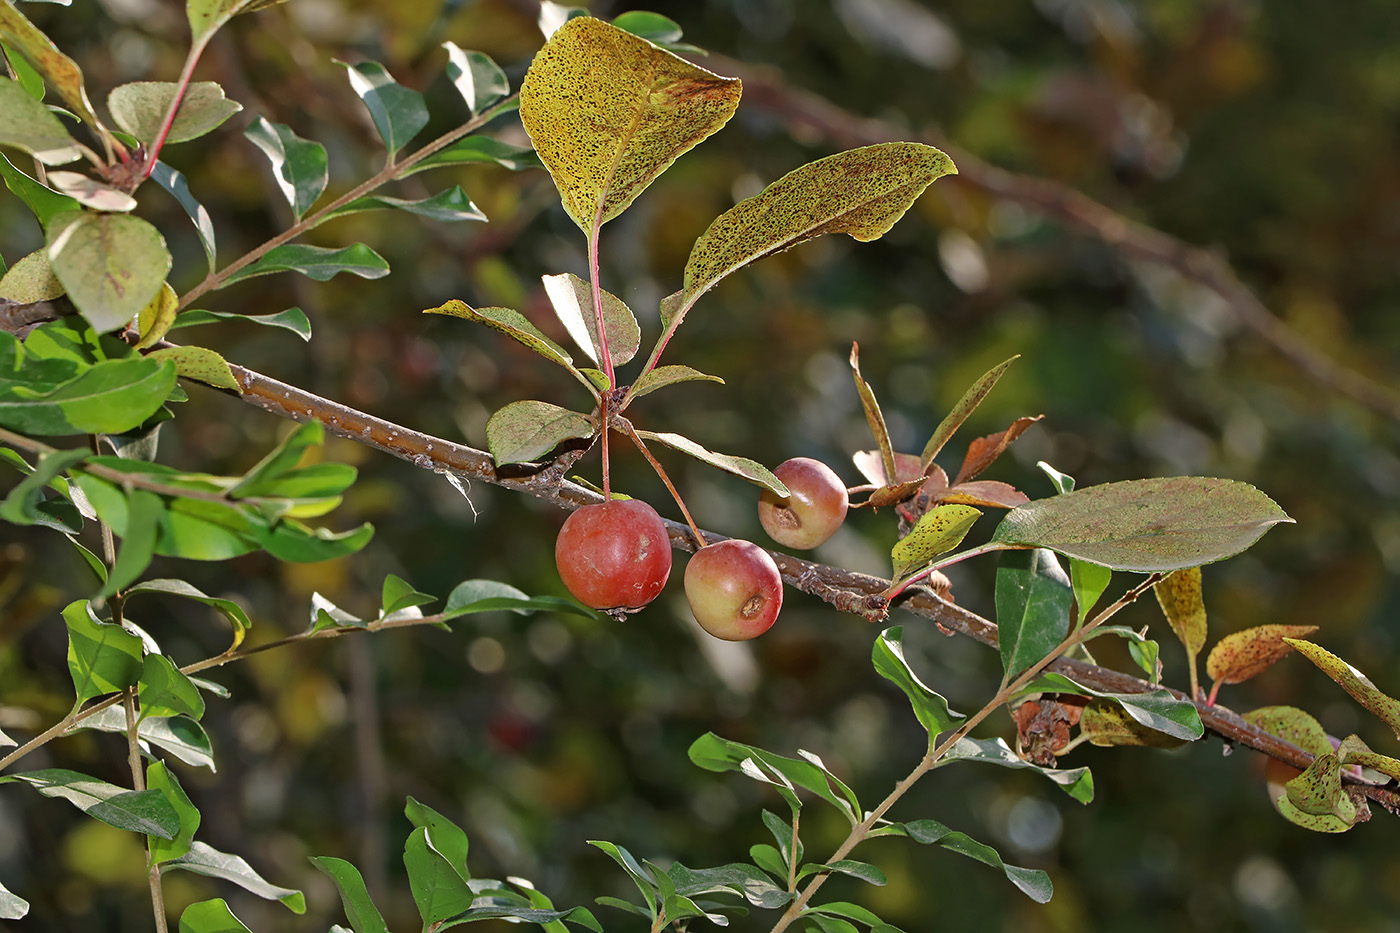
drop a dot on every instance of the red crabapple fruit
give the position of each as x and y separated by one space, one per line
814 509
614 555
734 589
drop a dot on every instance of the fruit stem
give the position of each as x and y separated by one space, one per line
656 465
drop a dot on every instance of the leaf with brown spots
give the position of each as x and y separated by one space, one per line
965 407
985 492
1241 655
982 452
608 112
1318 790
1353 751
58 69
1292 725
1352 681
1179 595
1107 724
873 416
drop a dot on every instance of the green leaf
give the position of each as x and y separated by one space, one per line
1385 707
734 878
657 29
292 541
198 530
1034 883
140 107
1088 582
930 708
717 754
790 848
44 203
200 364
1317 822
316 262
447 206
572 300
862 870
398 594
511 323
31 280
108 398
639 875
1077 782
1318 790
608 112
965 407
154 320
527 430
742 467
144 811
661 376
159 778
1107 724
1158 709
1033 601
28 125
1147 525
1353 751
444 836
144 511
25 73
937 532
211 917
20 506
770 860
168 691
860 192
111 265
472 596
179 735
12 906
398 112
476 77
61 72
176 183
205 860
438 887
853 912
293 319
102 657
364 917
1142 648
299 165
477 149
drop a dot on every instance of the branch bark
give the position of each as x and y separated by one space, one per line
845 590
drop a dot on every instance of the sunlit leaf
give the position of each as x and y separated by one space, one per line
398 112
292 319
21 504
1158 709
1385 707
1146 525
735 878
139 539
316 262
102 657
527 430
111 265
12 906
179 735
208 16
480 149
140 107
960 412
572 300
205 860
656 29
873 416
448 206
1353 751
1241 655
146 811
227 608
750 470
476 77
983 451
1077 782
473 596
860 192
299 165
714 753
937 532
1108 724
156 319
30 280
200 364
608 112
90 192
28 125
1318 790
44 203
212 916
167 691
160 778
437 885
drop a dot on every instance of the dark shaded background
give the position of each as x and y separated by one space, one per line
1266 131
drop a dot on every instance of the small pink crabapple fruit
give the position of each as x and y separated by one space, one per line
614 555
814 509
734 589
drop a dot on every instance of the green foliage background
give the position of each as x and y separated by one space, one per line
1250 128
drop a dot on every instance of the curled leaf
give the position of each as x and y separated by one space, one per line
984 451
1353 682
1108 724
572 299
525 431
965 407
873 417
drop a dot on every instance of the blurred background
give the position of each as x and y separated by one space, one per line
1265 132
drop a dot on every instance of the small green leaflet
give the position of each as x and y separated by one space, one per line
299 165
